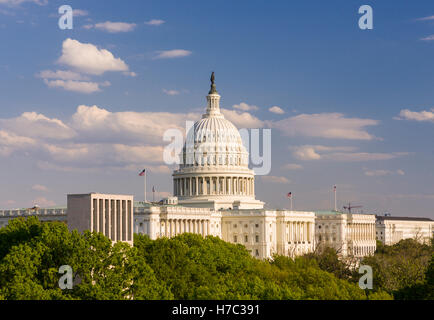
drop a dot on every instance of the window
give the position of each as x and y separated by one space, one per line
246 238
257 225
141 224
235 239
319 227
235 225
246 226
257 238
257 252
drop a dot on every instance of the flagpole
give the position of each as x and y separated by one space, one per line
144 179
336 207
291 202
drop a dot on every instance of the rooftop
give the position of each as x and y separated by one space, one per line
402 218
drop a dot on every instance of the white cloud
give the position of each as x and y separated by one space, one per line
242 119
379 173
306 153
155 22
77 86
98 124
274 179
112 27
426 18
292 166
416 116
171 92
325 125
87 58
13 3
339 154
428 38
61 74
39 187
11 142
169 54
79 13
244 107
276 110
93 139
36 125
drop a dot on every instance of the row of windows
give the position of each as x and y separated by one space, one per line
246 238
246 226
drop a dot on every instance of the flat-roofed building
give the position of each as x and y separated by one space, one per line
391 230
110 214
348 233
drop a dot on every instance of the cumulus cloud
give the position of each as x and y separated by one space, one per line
426 18
274 179
11 142
416 115
379 173
13 3
77 86
276 110
428 38
79 13
120 127
245 107
341 154
170 54
155 22
87 58
242 119
113 27
36 125
171 92
61 74
292 166
92 139
325 125
39 187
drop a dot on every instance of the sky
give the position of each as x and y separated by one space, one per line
85 109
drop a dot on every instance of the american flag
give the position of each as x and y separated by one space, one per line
142 173
289 195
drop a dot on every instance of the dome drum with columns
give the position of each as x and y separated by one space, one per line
215 164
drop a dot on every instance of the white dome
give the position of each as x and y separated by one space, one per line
214 170
214 141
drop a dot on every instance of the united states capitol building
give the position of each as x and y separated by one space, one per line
214 194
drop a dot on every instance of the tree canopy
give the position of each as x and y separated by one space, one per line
187 267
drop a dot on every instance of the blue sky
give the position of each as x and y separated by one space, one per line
357 104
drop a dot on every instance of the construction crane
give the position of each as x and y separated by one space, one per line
349 207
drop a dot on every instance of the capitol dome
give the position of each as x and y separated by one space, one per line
214 162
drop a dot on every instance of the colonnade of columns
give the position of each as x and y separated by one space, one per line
113 218
213 185
172 227
362 231
299 231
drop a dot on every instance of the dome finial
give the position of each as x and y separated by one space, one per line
213 88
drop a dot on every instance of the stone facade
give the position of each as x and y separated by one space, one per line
112 215
350 234
391 230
